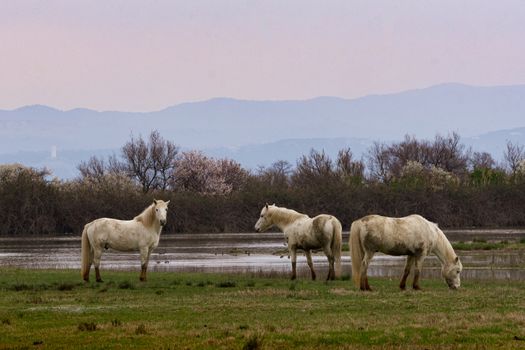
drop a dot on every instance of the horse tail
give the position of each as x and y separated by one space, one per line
356 251
85 254
337 242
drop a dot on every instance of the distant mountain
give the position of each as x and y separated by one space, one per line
260 132
495 142
253 156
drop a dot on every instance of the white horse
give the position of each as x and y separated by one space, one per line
413 236
142 234
303 232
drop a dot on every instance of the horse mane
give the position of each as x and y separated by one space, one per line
147 217
444 250
284 215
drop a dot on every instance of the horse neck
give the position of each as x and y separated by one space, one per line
148 219
283 217
443 249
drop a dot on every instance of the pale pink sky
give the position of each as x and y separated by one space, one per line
137 55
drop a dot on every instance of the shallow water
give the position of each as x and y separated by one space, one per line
260 254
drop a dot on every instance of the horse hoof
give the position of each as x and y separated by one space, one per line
416 287
402 287
99 281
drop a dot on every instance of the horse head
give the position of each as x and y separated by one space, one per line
451 272
161 210
265 221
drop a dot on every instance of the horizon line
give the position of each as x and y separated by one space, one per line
38 105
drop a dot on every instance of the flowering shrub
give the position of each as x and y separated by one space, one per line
196 172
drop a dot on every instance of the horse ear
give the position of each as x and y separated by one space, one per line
155 201
168 202
273 204
457 259
266 205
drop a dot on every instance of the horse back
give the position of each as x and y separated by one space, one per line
411 235
121 235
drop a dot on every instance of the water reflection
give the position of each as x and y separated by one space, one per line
260 254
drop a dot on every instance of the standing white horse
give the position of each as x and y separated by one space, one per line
413 236
142 234
303 232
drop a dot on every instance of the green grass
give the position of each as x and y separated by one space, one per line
484 245
54 310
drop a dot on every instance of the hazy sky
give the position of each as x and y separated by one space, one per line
146 55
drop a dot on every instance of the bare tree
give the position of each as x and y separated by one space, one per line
163 155
97 168
278 174
347 166
512 156
310 169
448 154
151 164
94 168
410 149
482 160
379 159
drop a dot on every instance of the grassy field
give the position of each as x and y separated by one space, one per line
53 309
481 244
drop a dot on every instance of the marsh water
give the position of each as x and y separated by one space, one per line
256 253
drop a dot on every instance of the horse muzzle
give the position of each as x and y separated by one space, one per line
452 286
162 223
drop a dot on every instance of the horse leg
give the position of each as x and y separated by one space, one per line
144 259
408 266
293 256
364 269
418 264
310 263
97 254
86 274
331 271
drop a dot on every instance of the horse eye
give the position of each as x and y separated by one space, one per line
156 210
262 216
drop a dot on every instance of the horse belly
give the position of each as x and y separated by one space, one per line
307 242
407 246
122 237
381 242
398 249
122 245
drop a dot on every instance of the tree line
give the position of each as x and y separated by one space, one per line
440 179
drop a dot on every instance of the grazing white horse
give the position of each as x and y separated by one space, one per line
142 234
413 236
303 232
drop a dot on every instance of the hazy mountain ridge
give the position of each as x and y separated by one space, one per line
260 132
